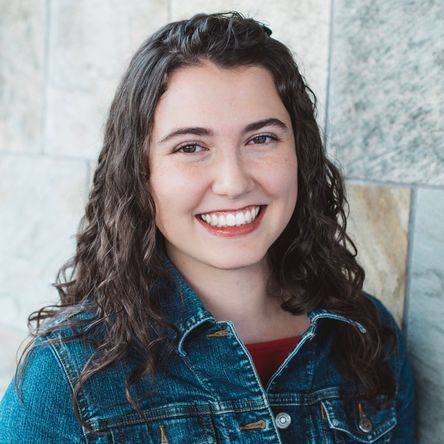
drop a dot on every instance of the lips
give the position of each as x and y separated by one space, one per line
230 223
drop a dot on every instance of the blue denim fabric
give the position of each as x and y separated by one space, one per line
208 391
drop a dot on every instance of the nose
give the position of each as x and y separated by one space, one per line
232 177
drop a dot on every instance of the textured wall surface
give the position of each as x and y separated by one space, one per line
385 121
89 46
60 65
386 106
376 67
425 331
378 225
23 26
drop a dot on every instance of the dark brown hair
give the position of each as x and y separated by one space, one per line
117 259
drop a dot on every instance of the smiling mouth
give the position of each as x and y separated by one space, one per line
227 219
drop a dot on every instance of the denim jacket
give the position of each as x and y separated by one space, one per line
208 391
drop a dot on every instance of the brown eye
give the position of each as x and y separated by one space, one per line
262 139
189 148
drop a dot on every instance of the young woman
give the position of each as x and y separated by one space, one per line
214 296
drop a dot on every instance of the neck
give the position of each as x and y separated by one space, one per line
228 293
240 296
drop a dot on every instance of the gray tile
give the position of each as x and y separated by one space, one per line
304 26
426 312
22 66
385 102
41 202
90 46
378 225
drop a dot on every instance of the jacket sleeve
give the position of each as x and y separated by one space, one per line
42 411
404 432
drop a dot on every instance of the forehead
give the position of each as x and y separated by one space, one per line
209 95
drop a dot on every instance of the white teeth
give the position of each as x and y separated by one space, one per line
240 219
221 221
231 219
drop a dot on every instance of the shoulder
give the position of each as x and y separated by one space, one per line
405 390
384 313
388 321
40 388
44 384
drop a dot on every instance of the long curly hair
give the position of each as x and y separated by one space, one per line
118 253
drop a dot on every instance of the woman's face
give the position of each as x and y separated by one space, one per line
223 166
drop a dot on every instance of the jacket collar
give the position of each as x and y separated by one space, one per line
185 310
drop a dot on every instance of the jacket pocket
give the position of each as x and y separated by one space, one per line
156 429
354 421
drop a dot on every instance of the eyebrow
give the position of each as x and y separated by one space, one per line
199 131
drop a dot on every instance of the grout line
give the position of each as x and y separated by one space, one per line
327 92
409 267
45 77
388 183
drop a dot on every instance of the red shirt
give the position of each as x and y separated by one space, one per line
268 356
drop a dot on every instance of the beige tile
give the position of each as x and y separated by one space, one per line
41 202
90 46
378 225
22 66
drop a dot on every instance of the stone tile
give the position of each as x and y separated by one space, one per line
385 97
303 26
92 166
90 46
22 55
425 332
41 202
378 225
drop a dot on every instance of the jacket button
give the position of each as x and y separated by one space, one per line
283 420
365 425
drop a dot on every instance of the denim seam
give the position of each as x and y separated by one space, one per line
83 403
203 381
204 426
132 418
67 376
226 426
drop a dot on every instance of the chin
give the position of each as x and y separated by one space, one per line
240 261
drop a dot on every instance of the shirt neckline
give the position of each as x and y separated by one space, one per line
282 342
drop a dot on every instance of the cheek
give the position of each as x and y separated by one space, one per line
283 178
175 193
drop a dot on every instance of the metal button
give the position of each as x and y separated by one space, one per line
365 425
283 420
